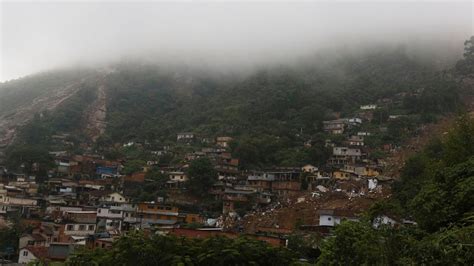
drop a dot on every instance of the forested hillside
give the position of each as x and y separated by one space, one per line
148 102
270 113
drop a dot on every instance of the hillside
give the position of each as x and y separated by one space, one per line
270 113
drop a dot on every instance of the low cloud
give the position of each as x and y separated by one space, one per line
45 35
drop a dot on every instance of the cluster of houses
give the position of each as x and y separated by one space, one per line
86 200
56 228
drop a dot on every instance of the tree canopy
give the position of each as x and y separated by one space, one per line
137 249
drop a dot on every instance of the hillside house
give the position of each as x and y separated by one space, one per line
178 176
362 170
135 178
223 141
151 214
333 217
261 181
30 254
113 199
368 107
309 168
344 175
34 240
344 155
355 141
80 223
335 127
354 121
109 218
287 181
176 179
185 137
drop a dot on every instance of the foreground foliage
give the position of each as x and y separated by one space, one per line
137 249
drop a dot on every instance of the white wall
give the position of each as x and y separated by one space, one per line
326 220
76 231
25 259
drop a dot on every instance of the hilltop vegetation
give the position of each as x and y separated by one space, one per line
148 103
136 249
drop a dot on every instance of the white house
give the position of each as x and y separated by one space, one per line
354 121
333 217
79 229
223 141
178 176
344 151
30 254
185 136
355 141
368 107
114 197
309 168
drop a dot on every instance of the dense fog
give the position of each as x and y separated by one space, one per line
226 35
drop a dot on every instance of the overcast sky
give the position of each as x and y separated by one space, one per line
45 35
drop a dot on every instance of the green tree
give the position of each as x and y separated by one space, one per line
133 166
137 249
466 66
202 176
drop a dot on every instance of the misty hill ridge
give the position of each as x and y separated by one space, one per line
284 105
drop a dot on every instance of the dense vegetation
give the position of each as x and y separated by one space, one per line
272 112
136 249
436 189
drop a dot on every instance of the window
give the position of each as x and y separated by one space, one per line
70 227
82 227
98 210
25 253
91 227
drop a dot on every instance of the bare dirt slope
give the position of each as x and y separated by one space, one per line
96 113
427 132
10 122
